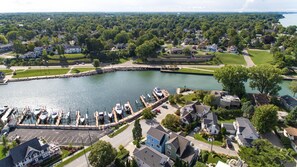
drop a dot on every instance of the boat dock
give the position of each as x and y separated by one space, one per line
156 97
115 115
129 118
77 118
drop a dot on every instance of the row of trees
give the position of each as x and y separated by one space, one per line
264 78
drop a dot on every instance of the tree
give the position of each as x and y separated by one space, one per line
44 55
122 37
266 79
232 78
248 109
291 119
265 118
137 131
171 121
147 113
293 87
147 49
102 154
3 39
187 51
264 154
96 63
19 47
209 99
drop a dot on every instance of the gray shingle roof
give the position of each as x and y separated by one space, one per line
290 100
157 132
210 119
246 130
179 142
6 162
151 157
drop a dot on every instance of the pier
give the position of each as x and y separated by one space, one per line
154 94
134 115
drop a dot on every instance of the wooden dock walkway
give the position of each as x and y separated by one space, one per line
77 118
144 102
96 115
115 115
156 97
59 118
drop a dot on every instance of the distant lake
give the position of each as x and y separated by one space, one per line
289 20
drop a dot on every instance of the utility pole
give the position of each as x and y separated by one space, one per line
84 151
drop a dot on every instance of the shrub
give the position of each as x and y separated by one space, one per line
177 112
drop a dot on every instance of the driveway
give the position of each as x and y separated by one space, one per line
248 59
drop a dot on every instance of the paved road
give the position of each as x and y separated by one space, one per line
60 137
248 60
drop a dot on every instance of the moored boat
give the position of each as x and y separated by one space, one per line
119 109
158 92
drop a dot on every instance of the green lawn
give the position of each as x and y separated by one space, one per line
120 130
123 60
2 153
228 58
227 121
6 71
261 56
194 71
79 70
214 158
40 72
69 56
197 136
65 153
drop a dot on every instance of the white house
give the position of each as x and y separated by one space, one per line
245 132
72 49
210 123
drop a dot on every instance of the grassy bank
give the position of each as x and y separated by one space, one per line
79 70
120 130
40 72
261 56
194 71
228 58
6 71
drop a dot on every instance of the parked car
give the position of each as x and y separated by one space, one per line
229 143
164 106
157 111
197 129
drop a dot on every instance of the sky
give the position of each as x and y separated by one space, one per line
11 6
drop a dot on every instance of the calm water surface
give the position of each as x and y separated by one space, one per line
100 92
289 20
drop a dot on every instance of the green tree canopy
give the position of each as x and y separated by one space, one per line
265 78
137 131
293 87
248 109
96 63
3 39
232 78
265 118
291 119
264 154
171 122
102 154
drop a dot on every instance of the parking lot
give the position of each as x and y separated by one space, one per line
60 137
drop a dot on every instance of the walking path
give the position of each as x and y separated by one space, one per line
247 58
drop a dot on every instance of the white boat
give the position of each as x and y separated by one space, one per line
101 115
158 92
68 115
54 114
126 107
43 116
149 96
87 117
119 109
81 120
136 102
110 115
36 111
3 109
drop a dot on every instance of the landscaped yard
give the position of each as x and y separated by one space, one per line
40 72
79 70
199 137
261 56
228 58
68 56
194 71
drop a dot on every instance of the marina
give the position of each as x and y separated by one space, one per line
42 118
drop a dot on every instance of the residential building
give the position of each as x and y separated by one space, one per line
229 101
192 112
72 49
156 138
281 115
232 49
30 153
180 147
291 133
176 51
259 99
289 102
212 48
28 55
120 46
210 123
6 48
245 132
148 157
230 129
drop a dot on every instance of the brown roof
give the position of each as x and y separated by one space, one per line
261 99
291 131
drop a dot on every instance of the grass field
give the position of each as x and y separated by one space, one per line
197 136
194 71
68 56
40 72
261 56
228 58
6 71
79 70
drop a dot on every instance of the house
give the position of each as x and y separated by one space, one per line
148 157
230 129
6 48
217 96
291 133
259 99
289 102
30 153
190 113
229 101
210 123
120 46
232 49
72 49
38 51
180 147
281 115
176 51
245 132
212 48
28 55
156 138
